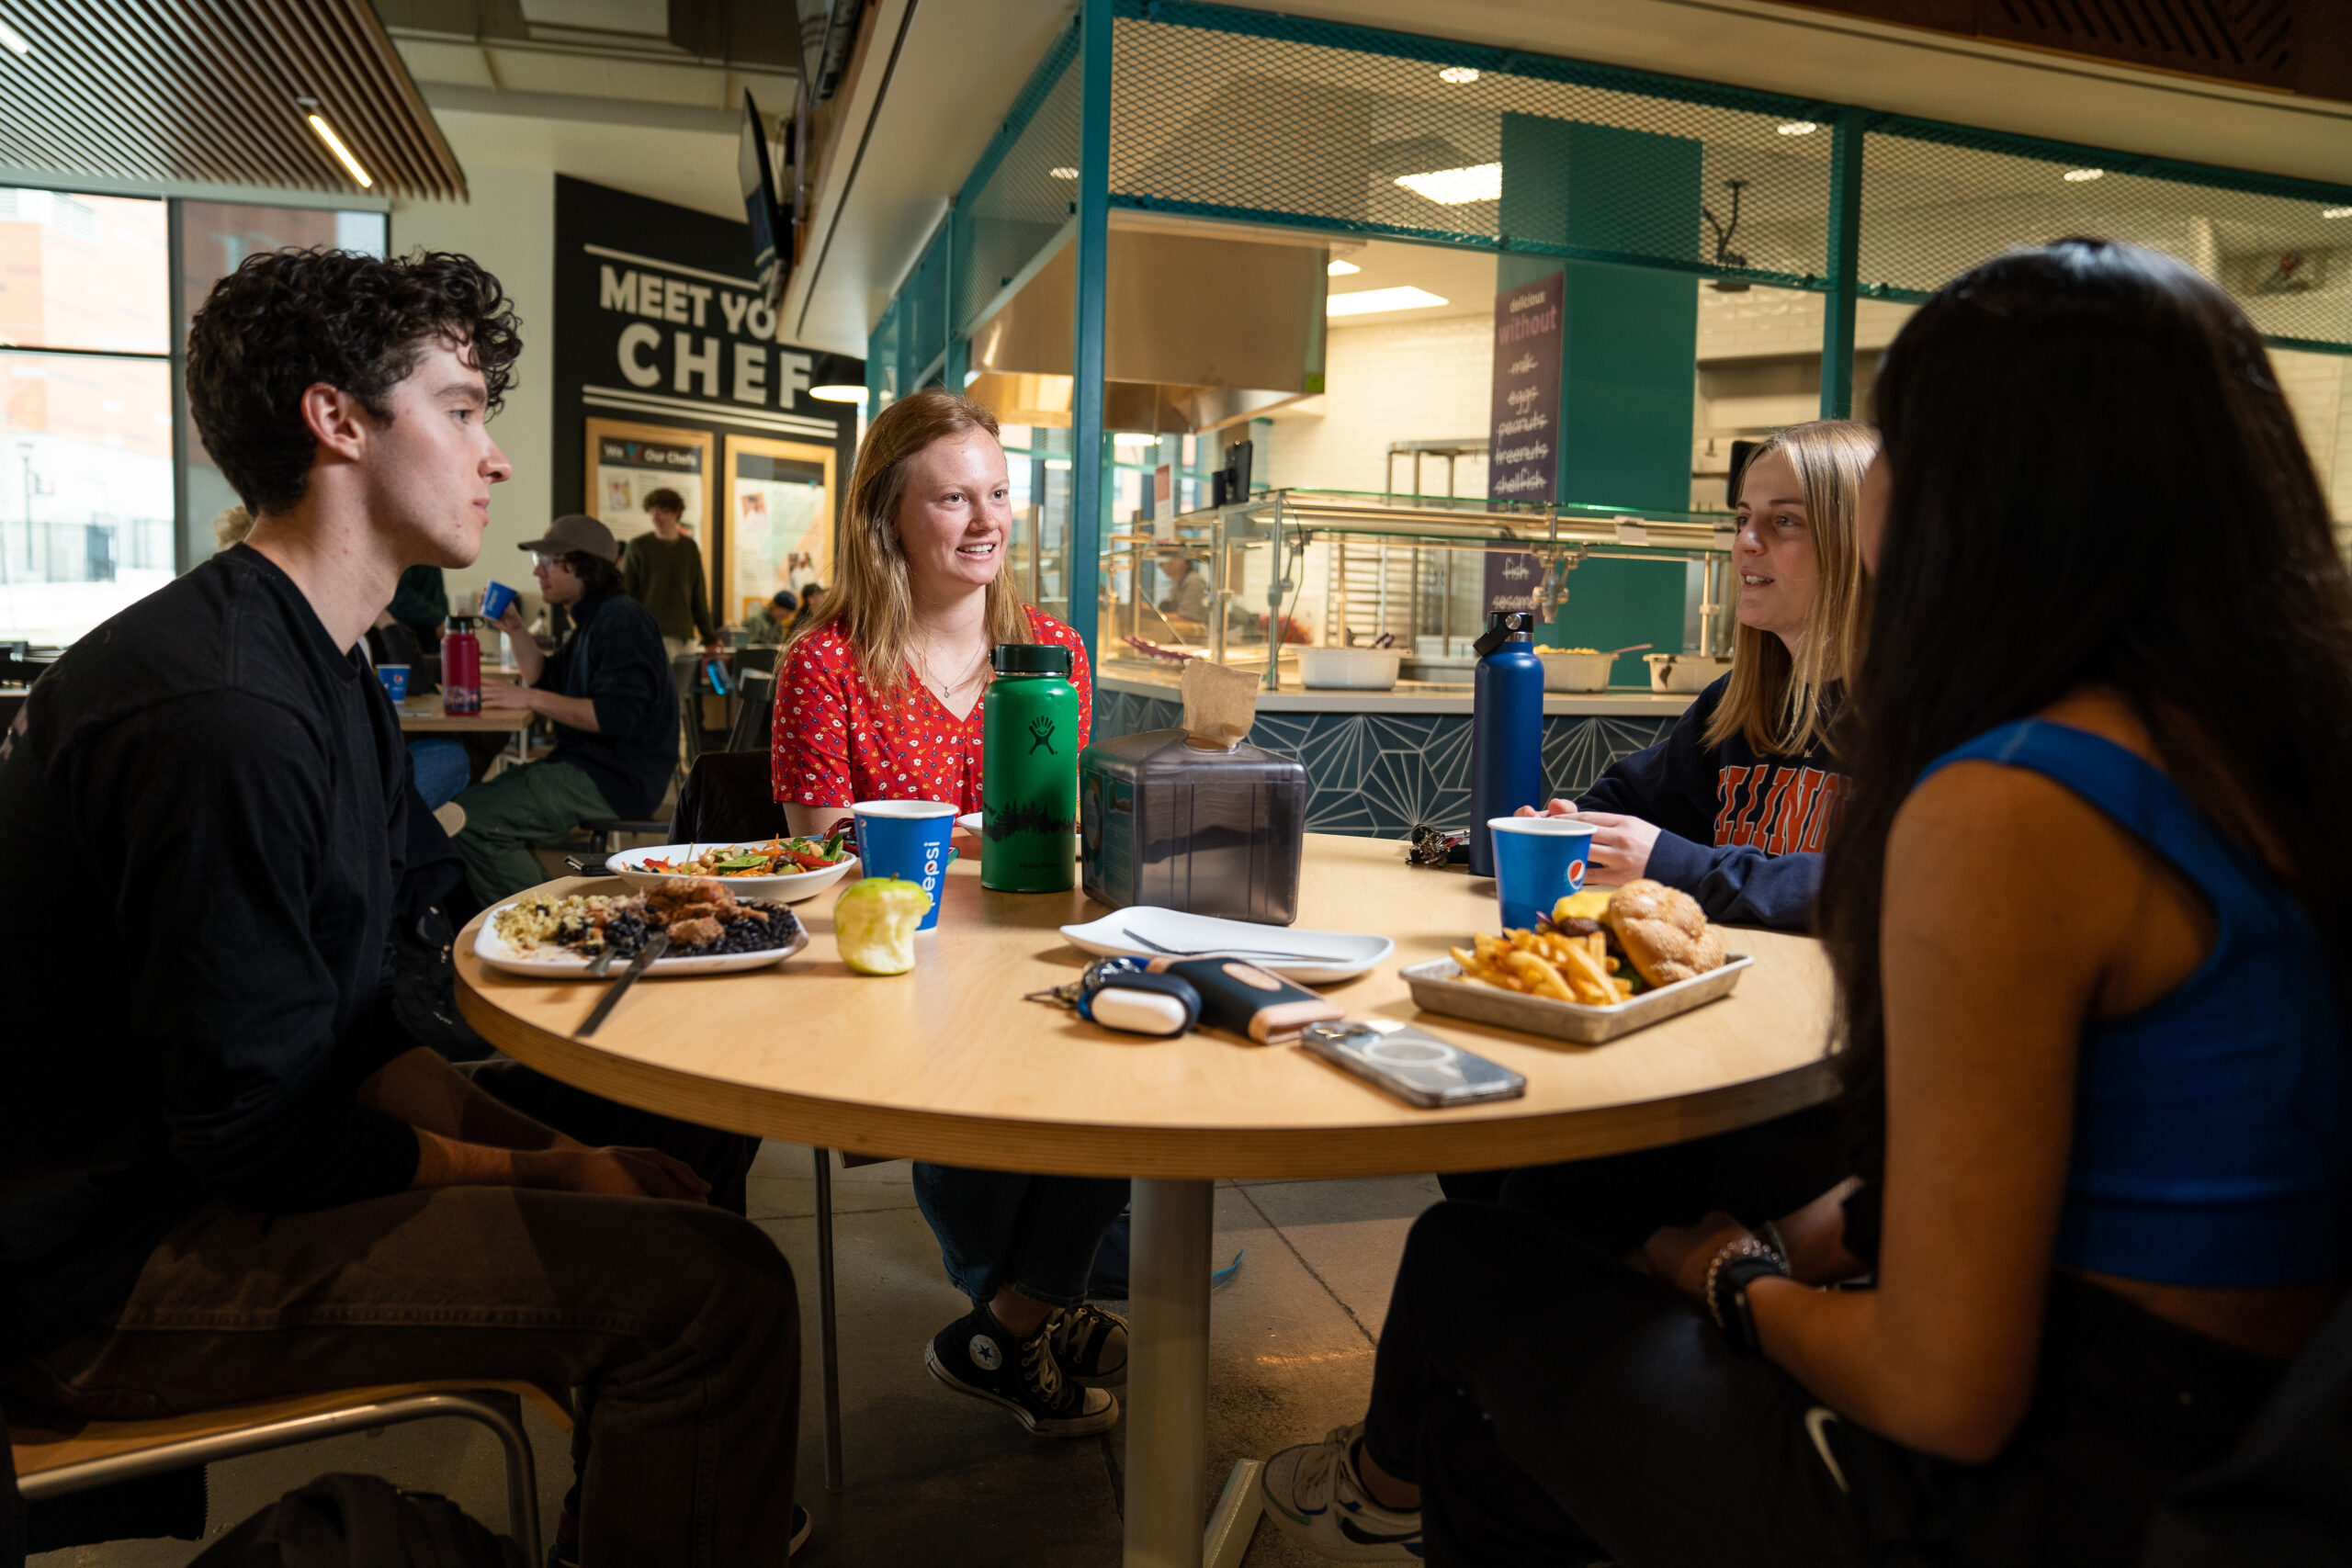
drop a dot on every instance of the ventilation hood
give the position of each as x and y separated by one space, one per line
1201 330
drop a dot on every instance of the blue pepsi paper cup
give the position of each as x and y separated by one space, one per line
495 597
1538 861
395 679
908 839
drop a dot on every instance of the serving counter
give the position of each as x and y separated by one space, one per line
1382 763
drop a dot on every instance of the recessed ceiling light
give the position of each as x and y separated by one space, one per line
1341 269
1797 127
841 393
1063 171
2336 212
1367 300
335 145
1131 439
1454 187
1457 74
2077 176
12 39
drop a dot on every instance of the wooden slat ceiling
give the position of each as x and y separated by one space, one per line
209 91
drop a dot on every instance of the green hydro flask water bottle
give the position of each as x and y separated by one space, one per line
1029 771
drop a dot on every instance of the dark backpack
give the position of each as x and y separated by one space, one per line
360 1522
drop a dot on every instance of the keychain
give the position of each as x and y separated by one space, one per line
1125 995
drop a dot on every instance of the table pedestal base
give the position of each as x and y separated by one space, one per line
1168 1374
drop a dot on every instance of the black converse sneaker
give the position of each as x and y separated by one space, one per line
1090 1346
976 1355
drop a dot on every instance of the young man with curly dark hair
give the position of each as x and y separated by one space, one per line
226 1172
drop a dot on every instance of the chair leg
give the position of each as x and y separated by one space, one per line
521 1478
828 1348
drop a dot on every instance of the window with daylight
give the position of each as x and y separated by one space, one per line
99 505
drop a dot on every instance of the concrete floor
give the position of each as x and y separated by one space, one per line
1290 1357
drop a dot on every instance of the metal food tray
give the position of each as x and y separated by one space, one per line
1436 990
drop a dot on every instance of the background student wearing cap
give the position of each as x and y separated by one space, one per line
607 691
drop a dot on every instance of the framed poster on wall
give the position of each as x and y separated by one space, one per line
626 462
779 519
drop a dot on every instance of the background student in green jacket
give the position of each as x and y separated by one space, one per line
664 571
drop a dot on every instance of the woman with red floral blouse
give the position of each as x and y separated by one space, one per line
880 700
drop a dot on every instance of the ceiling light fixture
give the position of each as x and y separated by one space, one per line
838 392
1063 171
14 40
1132 439
2077 176
1455 187
1457 74
1342 268
335 146
1365 302
1797 127
2336 212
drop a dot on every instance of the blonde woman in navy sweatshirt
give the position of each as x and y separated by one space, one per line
1732 805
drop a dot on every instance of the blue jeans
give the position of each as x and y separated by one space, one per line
442 769
1037 1234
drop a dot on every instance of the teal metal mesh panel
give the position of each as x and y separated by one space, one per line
922 314
1938 200
882 386
1023 191
1248 115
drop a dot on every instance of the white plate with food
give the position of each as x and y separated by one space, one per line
749 870
1311 958
560 939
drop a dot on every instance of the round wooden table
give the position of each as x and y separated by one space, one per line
948 1064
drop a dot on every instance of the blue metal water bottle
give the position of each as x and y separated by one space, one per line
1506 730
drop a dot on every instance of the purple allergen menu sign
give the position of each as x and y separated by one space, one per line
1522 443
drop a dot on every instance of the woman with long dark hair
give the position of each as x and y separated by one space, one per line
2087 916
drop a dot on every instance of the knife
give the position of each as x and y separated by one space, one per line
655 946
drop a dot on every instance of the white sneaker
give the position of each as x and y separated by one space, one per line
1314 1493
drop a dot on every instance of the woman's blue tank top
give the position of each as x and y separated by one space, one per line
2213 1127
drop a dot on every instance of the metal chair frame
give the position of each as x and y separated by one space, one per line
496 1408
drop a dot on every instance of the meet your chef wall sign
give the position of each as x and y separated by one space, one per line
697 339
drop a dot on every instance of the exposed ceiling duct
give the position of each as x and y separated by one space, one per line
1203 330
223 91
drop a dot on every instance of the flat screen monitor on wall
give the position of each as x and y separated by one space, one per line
759 201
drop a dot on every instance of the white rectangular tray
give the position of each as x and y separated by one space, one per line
1436 990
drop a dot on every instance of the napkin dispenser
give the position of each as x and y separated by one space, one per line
1196 819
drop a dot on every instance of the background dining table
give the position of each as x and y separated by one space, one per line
950 1064
421 714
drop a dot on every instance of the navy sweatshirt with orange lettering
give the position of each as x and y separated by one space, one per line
1738 830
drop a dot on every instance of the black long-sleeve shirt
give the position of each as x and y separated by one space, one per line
614 659
1740 830
200 828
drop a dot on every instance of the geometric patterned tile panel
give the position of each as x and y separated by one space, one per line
1377 775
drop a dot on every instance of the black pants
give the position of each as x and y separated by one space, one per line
1555 1407
1615 1203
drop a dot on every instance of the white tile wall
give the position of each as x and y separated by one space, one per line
1428 381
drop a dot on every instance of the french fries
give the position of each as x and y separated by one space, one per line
1543 963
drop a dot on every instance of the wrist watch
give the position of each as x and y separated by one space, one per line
1740 1261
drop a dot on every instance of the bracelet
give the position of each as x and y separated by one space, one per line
1740 1260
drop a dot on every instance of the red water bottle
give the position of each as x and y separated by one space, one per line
460 668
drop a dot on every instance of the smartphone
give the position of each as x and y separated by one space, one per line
1418 1069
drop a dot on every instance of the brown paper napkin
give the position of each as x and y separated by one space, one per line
1220 704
